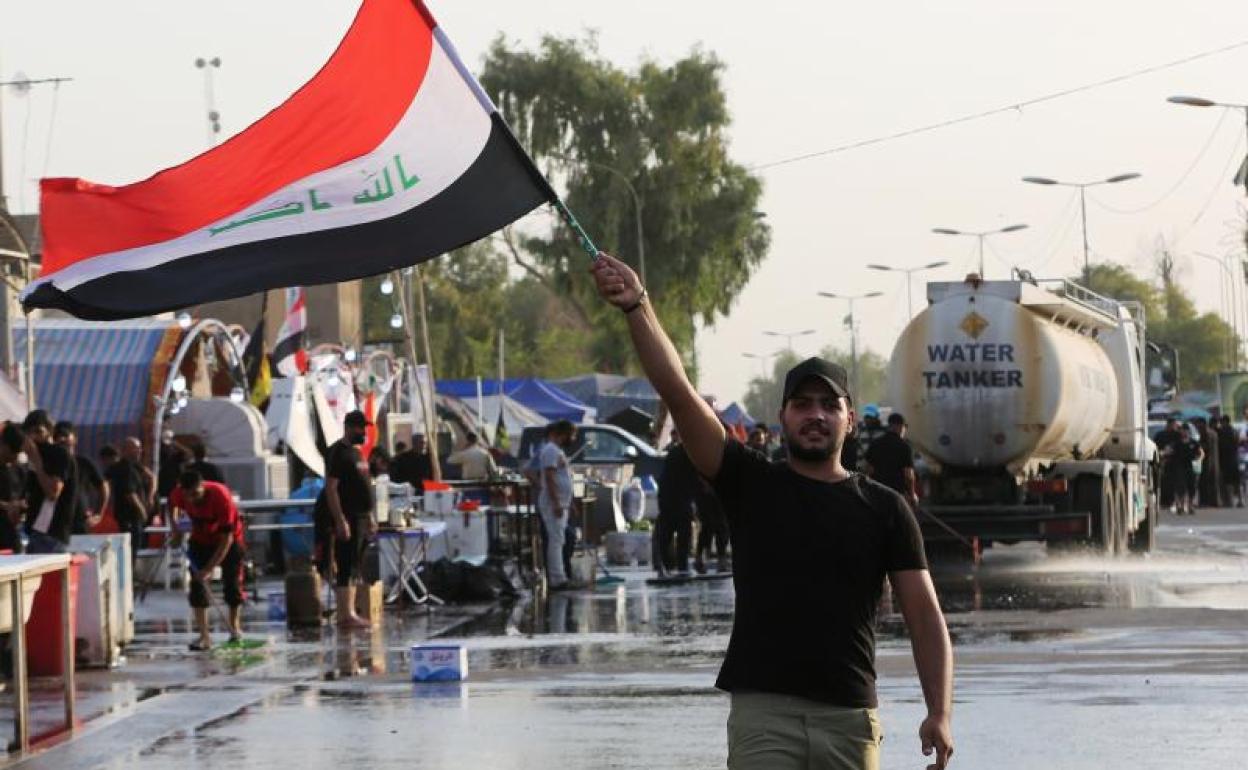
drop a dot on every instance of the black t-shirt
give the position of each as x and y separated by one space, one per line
888 456
57 463
678 484
809 561
124 479
1185 451
12 489
407 467
90 488
345 463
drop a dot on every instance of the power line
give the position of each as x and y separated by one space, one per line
1015 107
1212 193
1204 149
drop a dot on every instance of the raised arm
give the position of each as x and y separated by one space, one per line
700 429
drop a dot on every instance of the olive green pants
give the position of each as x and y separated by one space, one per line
784 732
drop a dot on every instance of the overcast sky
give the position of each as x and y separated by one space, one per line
801 77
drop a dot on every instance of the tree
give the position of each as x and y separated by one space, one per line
762 397
1204 341
659 130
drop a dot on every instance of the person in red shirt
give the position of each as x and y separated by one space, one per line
216 540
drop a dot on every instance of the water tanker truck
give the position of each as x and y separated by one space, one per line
1027 402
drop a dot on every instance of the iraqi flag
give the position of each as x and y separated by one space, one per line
391 155
290 353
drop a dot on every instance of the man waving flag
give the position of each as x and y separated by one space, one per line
391 155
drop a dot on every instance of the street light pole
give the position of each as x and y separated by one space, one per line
1083 207
788 336
910 271
214 117
981 235
853 332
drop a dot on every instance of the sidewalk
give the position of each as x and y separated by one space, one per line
163 688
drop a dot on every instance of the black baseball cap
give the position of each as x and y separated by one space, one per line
833 374
356 419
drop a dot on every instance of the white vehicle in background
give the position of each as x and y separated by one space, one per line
1029 404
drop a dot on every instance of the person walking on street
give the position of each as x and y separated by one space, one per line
344 516
1228 463
216 540
890 460
555 500
1185 458
1210 475
1165 440
673 531
51 487
812 544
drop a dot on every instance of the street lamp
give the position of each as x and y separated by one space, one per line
1241 176
909 271
214 117
1083 206
853 331
788 336
981 235
763 359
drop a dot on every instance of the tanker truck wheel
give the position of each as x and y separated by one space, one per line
1095 495
1144 539
1122 514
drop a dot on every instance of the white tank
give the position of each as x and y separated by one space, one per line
989 375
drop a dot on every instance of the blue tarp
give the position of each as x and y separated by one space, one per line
540 396
97 375
735 414
612 393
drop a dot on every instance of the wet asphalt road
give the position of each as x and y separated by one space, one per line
1068 661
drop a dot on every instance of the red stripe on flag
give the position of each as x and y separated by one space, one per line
372 77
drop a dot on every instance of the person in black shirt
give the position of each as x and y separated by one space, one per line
206 470
92 488
128 492
1165 439
412 466
812 543
12 488
890 460
1228 462
51 487
1185 455
344 515
678 486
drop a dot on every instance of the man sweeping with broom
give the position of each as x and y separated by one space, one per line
812 544
216 540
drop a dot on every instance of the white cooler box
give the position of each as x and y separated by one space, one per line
122 614
98 634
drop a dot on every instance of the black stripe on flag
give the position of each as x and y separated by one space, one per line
499 187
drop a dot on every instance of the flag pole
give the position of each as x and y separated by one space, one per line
582 237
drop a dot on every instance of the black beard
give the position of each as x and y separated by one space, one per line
798 452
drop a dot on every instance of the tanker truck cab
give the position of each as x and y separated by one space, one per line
1029 401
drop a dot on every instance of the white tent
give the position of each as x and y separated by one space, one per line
289 419
516 417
